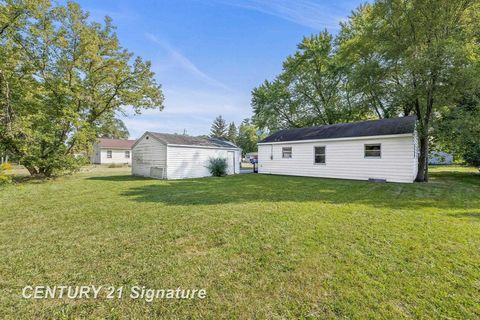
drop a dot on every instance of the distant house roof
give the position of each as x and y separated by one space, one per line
108 143
192 141
390 126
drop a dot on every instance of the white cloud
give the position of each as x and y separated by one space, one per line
189 109
179 59
308 13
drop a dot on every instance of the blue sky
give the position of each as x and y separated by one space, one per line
208 55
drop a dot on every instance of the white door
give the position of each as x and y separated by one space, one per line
231 162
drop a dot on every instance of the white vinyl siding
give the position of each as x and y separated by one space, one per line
117 156
191 162
147 154
346 159
156 159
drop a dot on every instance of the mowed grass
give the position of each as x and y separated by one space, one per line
262 246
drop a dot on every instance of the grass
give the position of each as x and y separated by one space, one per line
262 246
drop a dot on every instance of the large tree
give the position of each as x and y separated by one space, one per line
60 74
232 132
414 57
219 128
458 130
112 127
248 136
313 89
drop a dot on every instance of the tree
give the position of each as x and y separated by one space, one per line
312 89
112 127
458 131
232 133
219 128
61 75
414 56
247 136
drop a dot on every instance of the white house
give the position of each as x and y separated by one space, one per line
107 151
173 156
379 149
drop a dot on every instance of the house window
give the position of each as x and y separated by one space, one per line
319 155
373 150
109 154
127 154
286 152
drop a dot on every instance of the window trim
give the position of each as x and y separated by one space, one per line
325 155
127 151
291 153
365 151
109 154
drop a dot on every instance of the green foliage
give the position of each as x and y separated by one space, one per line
247 136
232 133
116 165
313 89
111 127
4 168
219 128
218 167
459 131
61 78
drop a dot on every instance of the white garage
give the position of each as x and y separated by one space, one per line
174 156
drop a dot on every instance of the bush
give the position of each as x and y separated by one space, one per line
217 167
4 178
117 165
6 166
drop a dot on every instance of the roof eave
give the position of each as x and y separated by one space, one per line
200 146
340 139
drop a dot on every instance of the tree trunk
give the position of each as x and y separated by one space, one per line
32 170
422 175
45 171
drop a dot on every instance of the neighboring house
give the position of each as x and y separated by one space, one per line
440 157
117 151
173 156
251 155
379 149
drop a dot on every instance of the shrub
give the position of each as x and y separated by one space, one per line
6 166
217 167
116 165
4 178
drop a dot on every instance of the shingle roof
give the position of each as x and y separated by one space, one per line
192 141
116 143
381 127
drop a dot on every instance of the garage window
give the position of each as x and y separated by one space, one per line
319 155
286 152
373 150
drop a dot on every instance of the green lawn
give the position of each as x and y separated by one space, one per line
262 246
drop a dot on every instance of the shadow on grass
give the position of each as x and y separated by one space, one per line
468 215
119 178
472 178
446 191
